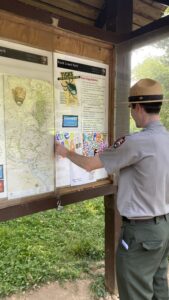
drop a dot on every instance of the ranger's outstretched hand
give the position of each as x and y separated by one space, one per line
87 163
61 150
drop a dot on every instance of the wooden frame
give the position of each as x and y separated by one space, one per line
52 39
18 208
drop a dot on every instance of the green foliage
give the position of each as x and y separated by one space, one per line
157 68
52 245
86 248
150 68
98 287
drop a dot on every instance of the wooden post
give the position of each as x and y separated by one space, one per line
112 229
121 24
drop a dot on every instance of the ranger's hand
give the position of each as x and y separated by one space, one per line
61 150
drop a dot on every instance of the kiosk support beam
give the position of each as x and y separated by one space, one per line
123 25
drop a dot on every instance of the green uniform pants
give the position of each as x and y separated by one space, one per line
142 260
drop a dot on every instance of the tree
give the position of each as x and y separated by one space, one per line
157 68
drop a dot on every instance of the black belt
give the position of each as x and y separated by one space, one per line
151 220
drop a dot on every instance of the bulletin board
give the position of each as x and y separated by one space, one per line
55 92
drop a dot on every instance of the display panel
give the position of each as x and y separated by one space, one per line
3 179
41 102
81 91
26 121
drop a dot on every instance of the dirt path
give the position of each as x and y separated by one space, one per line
78 290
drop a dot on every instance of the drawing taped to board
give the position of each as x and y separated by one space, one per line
94 143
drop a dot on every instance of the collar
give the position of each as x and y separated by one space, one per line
153 124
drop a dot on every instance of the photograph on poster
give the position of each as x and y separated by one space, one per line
1 186
1 172
69 86
70 121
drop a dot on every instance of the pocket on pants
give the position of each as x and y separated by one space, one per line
152 245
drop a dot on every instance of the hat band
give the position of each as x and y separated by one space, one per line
145 98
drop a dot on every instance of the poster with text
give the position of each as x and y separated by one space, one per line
3 183
81 107
29 143
26 121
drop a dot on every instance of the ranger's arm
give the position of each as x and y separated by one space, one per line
87 163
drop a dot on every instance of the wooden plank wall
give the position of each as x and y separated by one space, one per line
34 34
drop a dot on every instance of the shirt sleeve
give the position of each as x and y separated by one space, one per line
124 152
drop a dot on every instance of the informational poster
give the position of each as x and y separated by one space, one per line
68 173
81 99
72 141
26 121
3 183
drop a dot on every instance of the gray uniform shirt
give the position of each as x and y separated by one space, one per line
142 160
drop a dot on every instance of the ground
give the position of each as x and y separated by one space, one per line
78 290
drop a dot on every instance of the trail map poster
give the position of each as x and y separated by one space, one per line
3 187
28 119
81 105
26 122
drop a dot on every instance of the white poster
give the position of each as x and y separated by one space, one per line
26 121
29 117
81 95
3 183
67 173
25 61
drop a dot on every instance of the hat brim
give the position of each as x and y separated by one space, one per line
149 101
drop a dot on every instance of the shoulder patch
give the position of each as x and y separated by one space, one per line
119 142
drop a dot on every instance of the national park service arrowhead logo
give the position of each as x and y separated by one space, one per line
119 142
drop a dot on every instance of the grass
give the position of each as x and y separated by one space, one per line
98 287
52 245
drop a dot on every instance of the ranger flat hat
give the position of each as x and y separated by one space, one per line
146 91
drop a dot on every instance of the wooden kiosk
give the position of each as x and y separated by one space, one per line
43 33
52 39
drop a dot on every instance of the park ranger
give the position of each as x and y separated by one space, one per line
142 160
